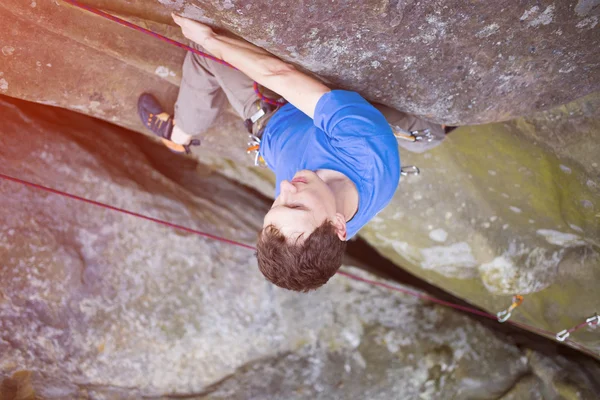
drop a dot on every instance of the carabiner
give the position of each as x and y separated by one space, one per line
422 135
409 170
419 135
254 147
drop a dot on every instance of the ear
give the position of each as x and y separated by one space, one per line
340 226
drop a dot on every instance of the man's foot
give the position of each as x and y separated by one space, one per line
161 123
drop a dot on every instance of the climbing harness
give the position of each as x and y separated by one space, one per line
591 321
255 125
503 316
420 135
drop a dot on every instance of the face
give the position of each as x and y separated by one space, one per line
303 204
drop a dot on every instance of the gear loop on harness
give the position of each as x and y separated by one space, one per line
254 148
422 135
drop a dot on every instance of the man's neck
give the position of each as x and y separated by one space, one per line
344 190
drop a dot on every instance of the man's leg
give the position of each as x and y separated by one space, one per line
411 123
205 84
238 88
200 99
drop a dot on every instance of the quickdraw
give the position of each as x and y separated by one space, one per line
254 148
504 315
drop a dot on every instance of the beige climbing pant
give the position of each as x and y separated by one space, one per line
207 85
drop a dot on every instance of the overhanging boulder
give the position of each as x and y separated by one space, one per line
453 62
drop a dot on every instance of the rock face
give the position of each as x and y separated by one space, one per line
450 61
95 304
507 209
498 209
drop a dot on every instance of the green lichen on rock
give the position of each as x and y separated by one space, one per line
95 304
496 211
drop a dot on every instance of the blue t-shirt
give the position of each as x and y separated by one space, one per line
347 135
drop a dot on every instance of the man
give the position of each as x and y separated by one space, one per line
334 155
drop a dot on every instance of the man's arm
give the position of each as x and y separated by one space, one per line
299 89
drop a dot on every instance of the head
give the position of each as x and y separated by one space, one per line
304 237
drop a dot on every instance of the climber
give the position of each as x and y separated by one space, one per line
334 155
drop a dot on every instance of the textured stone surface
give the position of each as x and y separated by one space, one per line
94 304
504 209
99 71
451 61
498 208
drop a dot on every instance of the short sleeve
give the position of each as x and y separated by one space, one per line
343 114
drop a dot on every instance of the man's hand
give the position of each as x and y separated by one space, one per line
193 30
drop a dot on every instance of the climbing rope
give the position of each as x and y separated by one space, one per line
134 214
422 296
138 28
502 316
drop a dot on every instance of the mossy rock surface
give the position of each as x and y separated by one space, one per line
501 209
100 305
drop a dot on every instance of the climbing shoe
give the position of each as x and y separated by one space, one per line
160 123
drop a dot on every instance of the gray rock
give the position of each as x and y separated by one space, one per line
453 62
96 304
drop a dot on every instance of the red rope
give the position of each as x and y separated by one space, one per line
579 326
349 275
137 215
146 31
138 28
422 296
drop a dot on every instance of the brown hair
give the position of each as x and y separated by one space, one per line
300 266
